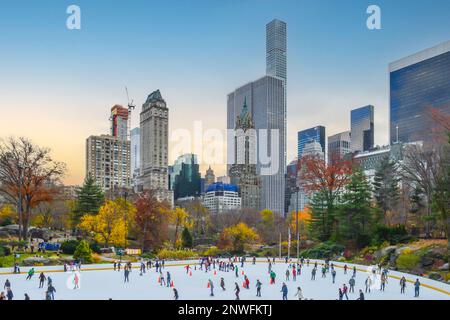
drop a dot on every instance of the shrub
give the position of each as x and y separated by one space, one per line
69 247
393 235
83 252
148 255
176 254
407 261
212 251
95 247
324 250
4 251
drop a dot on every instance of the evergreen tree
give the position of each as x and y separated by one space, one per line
386 186
356 211
83 252
321 222
186 237
89 199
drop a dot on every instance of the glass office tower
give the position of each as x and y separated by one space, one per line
276 49
418 82
310 135
362 128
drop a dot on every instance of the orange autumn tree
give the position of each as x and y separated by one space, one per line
304 219
324 183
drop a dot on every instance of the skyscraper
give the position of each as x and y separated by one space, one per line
119 122
309 135
276 45
135 154
210 178
154 121
418 82
362 128
339 145
187 181
265 100
243 171
108 161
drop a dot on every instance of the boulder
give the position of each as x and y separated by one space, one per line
426 261
435 276
444 267
36 261
12 230
384 252
4 234
41 233
435 253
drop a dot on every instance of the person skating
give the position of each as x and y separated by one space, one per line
237 290
313 273
354 272
48 295
345 269
175 294
416 288
368 283
351 282
27 297
294 274
49 281
211 288
258 288
402 284
161 279
30 274
115 265
2 296
254 260
222 284
383 282
246 282
51 290
9 294
287 275
168 279
126 274
273 277
42 279
118 266
7 284
299 293
361 295
324 271
341 294
284 290
65 267
344 291
236 271
333 275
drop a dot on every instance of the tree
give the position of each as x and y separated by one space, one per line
356 212
180 218
109 225
83 252
28 175
235 237
186 237
386 186
7 215
421 170
304 219
200 218
325 184
151 219
89 199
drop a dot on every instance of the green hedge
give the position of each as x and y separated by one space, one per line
69 247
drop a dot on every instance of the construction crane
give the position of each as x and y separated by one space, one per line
131 107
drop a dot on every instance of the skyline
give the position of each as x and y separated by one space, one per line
86 70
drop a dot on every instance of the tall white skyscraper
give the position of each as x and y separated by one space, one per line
154 140
135 140
276 47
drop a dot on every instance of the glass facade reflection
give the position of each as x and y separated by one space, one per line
310 135
362 128
416 83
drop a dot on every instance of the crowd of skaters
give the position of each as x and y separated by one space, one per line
234 265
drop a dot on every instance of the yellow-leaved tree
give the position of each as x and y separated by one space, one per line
235 237
180 218
110 226
304 219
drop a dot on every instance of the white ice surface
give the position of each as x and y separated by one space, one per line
105 284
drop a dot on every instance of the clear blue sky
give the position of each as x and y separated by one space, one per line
196 52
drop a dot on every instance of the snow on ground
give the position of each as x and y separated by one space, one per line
96 283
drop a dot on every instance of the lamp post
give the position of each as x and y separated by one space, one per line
297 189
125 195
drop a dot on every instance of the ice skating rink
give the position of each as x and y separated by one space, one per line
100 282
